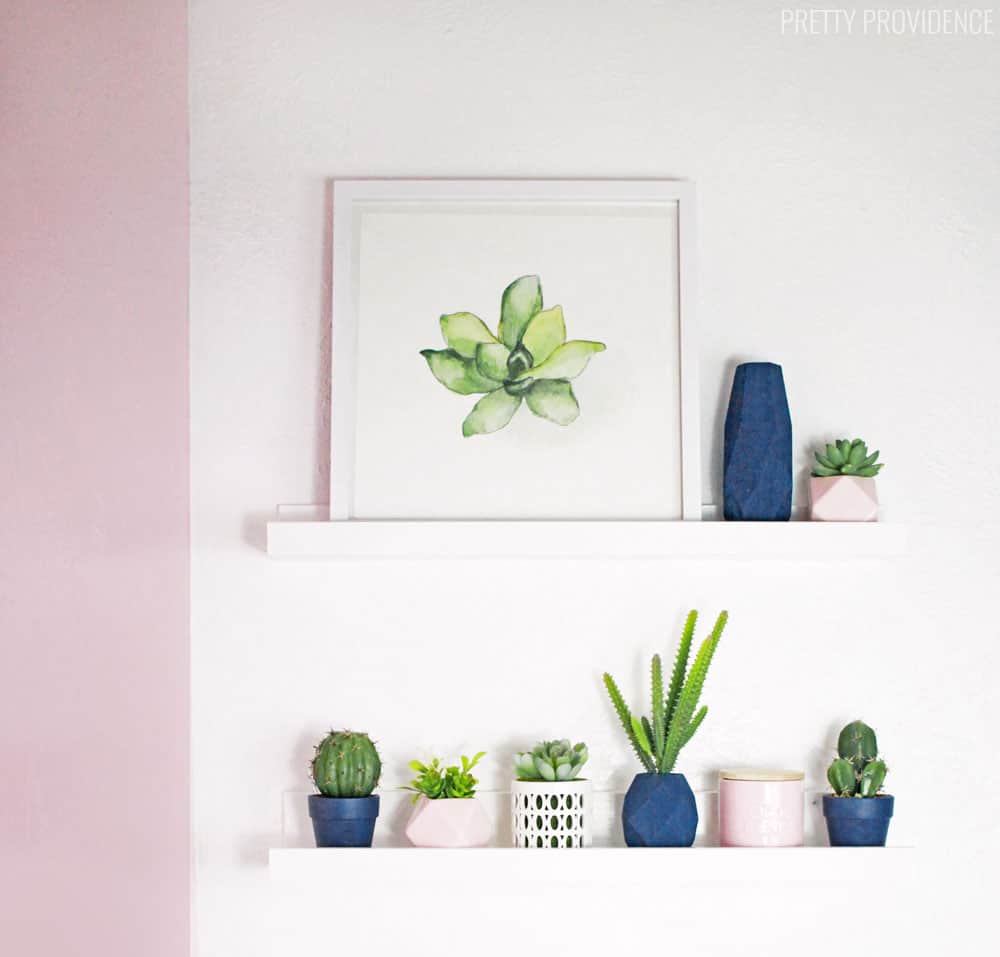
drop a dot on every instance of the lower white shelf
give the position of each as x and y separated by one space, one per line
362 870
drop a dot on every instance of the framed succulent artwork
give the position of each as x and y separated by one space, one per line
513 349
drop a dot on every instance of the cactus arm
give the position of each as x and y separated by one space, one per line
648 730
694 725
641 736
626 719
840 774
659 705
872 779
690 693
680 668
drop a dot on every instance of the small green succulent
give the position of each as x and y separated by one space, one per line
846 457
435 782
857 771
551 761
528 359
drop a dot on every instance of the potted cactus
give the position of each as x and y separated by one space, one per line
659 809
447 812
549 801
842 484
345 769
856 814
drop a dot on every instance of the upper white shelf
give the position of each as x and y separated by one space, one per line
740 541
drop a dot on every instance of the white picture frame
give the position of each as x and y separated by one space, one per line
352 196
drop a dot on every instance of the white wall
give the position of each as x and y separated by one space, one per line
848 211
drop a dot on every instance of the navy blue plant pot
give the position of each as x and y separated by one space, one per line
659 811
857 822
343 822
757 456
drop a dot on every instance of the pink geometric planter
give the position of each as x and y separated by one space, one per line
843 498
449 822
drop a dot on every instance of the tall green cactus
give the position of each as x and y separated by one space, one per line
857 772
346 765
676 715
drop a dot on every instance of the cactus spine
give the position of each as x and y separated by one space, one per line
346 765
857 772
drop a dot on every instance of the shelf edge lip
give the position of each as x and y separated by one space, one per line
508 868
584 539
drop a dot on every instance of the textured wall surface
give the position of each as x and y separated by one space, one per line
848 208
94 612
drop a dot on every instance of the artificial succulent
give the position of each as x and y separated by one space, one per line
551 761
846 457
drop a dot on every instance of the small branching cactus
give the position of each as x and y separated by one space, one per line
658 741
551 761
346 765
858 771
846 457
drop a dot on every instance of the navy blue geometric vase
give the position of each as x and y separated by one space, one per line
858 822
659 811
757 458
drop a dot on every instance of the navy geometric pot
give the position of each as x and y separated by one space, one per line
659 811
757 454
343 822
858 822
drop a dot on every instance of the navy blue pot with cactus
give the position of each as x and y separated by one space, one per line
857 815
660 809
345 769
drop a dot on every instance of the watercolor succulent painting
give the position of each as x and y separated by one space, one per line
527 360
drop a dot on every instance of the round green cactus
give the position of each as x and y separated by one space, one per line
551 761
346 765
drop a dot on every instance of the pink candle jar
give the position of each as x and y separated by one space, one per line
760 807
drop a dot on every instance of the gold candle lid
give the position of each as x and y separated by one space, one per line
760 774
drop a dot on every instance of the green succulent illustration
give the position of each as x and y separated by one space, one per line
528 359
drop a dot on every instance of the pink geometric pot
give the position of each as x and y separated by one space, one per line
449 822
842 498
759 807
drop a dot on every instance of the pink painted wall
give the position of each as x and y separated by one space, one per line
94 620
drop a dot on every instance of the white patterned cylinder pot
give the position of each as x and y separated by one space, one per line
550 813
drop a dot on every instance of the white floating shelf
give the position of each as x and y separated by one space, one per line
740 541
372 869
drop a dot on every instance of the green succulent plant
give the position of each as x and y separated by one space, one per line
857 771
436 782
551 761
657 742
528 359
346 765
846 457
